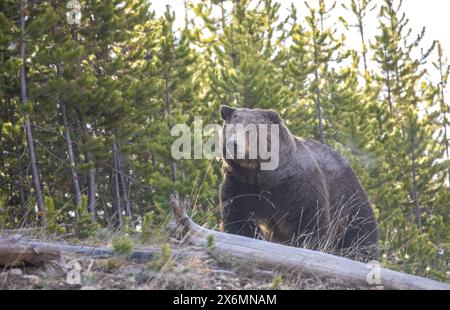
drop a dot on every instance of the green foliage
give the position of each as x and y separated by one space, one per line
211 243
147 226
113 263
277 282
153 227
84 225
163 260
122 245
3 212
52 215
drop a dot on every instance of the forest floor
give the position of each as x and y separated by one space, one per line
195 269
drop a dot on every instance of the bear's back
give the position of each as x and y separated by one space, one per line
342 183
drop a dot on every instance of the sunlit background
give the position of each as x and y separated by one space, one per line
431 14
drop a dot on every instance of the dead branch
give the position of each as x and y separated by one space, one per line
292 259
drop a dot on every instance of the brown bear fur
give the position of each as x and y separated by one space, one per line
313 199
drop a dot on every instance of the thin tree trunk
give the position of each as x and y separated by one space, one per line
28 132
317 82
91 179
388 81
92 186
364 51
443 109
360 18
414 176
186 20
222 16
447 147
70 154
122 179
168 111
319 107
115 187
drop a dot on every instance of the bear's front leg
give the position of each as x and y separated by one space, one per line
237 216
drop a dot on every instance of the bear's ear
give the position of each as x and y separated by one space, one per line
226 111
274 117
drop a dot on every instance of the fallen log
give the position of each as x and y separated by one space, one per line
16 252
292 259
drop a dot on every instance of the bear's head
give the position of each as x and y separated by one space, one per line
253 139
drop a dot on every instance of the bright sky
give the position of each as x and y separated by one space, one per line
433 14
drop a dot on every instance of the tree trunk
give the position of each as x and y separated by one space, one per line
443 82
168 111
414 177
447 147
116 186
92 186
389 88
222 15
123 186
15 253
28 132
319 107
68 138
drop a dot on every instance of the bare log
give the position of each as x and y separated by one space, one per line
292 259
14 252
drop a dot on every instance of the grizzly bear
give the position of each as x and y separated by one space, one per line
312 199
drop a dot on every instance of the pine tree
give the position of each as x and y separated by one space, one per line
27 122
12 176
443 69
360 9
314 51
243 52
175 68
407 128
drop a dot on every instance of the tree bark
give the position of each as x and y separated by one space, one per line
123 186
14 253
68 138
361 9
92 186
414 179
443 82
28 132
167 100
319 107
389 88
291 259
116 189
317 91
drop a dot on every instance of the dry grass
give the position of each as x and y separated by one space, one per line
198 269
